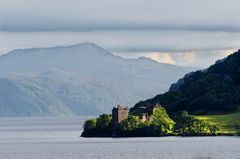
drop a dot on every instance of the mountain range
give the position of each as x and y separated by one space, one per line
82 79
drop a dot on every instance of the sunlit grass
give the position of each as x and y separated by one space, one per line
226 122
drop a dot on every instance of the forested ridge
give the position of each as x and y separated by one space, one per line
214 90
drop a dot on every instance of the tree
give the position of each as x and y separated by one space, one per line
90 124
183 122
104 121
89 128
237 128
213 128
199 127
131 123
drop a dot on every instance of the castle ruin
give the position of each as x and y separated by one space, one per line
119 114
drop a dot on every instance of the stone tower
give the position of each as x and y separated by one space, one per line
119 114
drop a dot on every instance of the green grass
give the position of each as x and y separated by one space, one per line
226 122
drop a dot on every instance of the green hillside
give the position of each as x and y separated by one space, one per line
215 90
227 122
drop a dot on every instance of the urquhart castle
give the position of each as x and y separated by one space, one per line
120 113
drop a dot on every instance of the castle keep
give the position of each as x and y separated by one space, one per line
119 114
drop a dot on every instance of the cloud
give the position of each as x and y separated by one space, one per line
185 58
82 15
228 52
202 59
161 57
180 58
157 56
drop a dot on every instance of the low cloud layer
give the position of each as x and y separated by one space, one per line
201 59
82 15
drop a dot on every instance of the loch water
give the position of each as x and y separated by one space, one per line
59 138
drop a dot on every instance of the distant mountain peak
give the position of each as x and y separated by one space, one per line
83 48
85 44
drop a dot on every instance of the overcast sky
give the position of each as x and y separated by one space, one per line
181 32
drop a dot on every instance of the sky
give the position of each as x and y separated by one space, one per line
186 32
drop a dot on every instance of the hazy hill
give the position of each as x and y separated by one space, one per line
210 91
81 79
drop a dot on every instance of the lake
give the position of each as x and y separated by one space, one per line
58 138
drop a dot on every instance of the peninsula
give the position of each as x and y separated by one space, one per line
146 122
202 103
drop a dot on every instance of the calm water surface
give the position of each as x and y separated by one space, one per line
58 138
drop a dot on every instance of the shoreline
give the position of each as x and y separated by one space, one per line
219 135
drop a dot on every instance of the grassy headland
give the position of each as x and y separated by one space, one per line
226 122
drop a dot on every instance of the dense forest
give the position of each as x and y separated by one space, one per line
210 91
